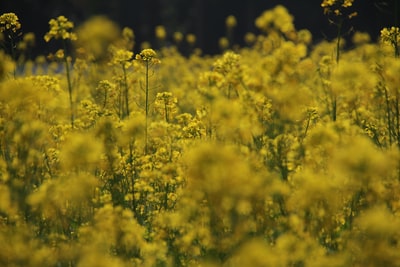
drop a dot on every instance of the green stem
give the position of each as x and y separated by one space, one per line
334 97
398 120
389 121
146 106
166 111
13 55
105 98
334 107
126 91
307 126
338 40
71 103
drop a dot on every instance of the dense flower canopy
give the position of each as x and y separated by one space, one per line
272 154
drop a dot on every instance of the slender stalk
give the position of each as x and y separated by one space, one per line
396 23
105 98
132 175
126 91
166 111
120 102
67 70
339 25
334 97
398 120
146 107
389 121
14 57
307 126
334 107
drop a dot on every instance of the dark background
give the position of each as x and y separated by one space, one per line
205 18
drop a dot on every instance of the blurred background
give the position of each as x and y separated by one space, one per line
204 18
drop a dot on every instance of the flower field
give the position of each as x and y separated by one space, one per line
281 153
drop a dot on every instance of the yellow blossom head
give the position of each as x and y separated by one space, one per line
9 22
337 7
250 38
276 19
191 39
60 28
223 43
391 35
148 55
178 37
60 54
230 22
128 33
160 32
121 56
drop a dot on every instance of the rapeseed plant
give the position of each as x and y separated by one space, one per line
122 58
226 160
10 26
391 36
148 57
61 28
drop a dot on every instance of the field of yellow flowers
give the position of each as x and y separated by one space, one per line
280 153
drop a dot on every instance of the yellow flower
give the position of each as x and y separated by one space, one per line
327 3
60 54
96 34
391 35
278 19
128 33
304 36
343 3
230 21
9 21
250 38
191 38
121 56
229 62
60 28
336 7
148 55
178 37
160 32
223 43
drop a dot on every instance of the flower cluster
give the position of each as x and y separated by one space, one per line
60 28
278 19
391 36
121 57
148 55
337 7
9 22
